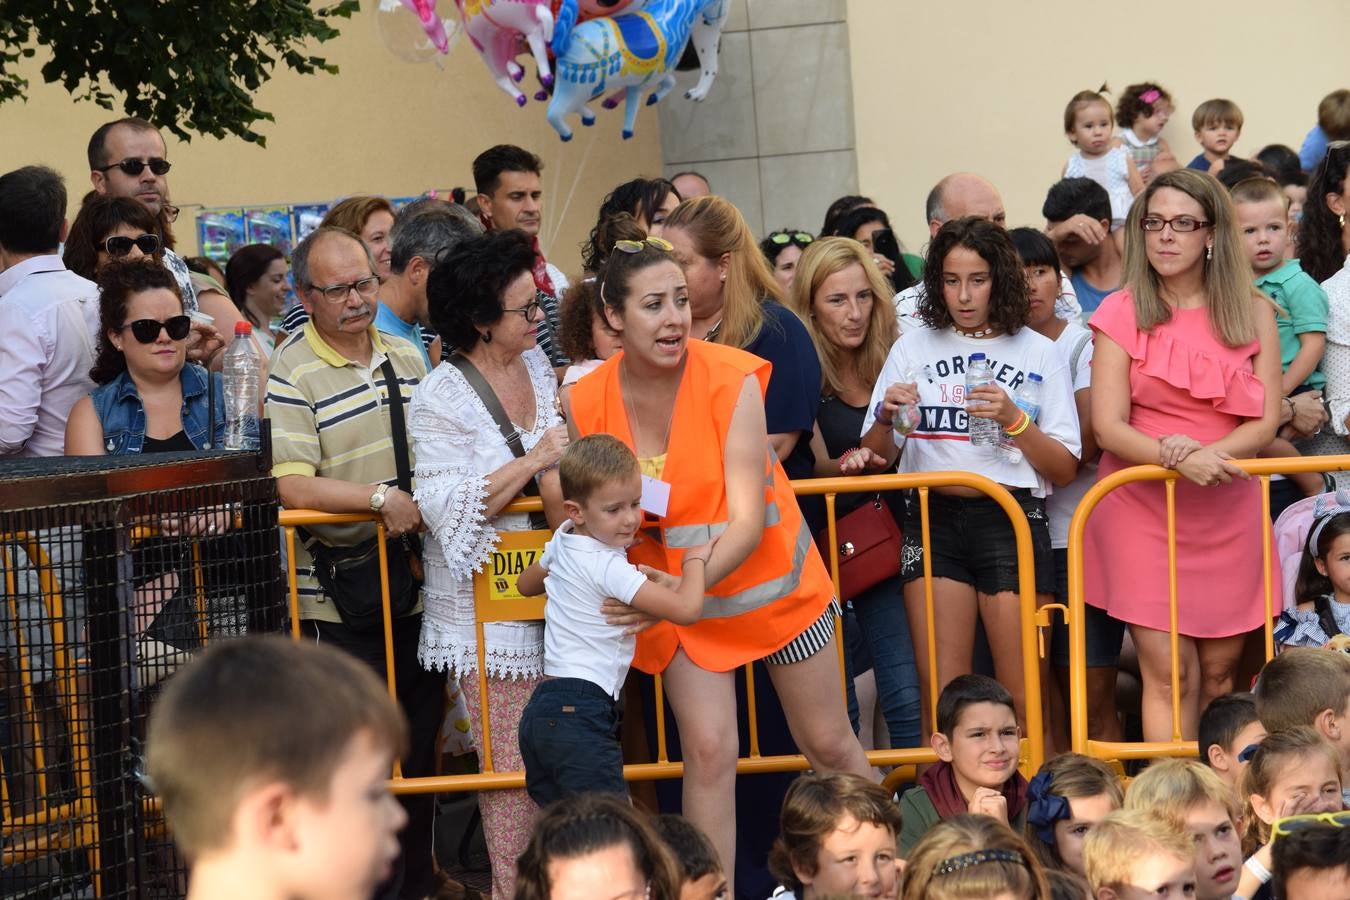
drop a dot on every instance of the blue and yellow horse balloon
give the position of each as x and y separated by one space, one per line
629 52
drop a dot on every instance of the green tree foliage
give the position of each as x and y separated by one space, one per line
189 66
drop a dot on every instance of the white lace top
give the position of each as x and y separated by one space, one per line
1336 360
457 445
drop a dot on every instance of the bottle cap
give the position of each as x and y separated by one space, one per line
243 326
1034 377
976 356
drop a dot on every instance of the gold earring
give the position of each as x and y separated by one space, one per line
1341 219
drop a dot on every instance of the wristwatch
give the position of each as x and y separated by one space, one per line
377 498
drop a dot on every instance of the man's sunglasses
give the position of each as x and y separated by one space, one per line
134 167
147 330
120 245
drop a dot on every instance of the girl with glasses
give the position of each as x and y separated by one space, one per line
1185 374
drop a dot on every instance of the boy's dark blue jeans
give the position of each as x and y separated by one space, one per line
569 740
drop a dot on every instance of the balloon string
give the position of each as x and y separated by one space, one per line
576 179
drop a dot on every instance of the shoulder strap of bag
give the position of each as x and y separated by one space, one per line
397 427
494 407
1076 357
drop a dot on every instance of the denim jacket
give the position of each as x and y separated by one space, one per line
122 415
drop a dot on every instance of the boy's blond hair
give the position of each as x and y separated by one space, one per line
1171 788
1115 845
1218 110
591 461
1300 683
257 710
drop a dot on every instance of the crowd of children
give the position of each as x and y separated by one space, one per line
268 801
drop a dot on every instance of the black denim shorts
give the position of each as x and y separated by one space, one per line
1104 634
973 542
569 741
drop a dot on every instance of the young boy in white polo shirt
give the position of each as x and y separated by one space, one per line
569 731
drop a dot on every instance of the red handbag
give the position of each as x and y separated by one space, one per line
869 542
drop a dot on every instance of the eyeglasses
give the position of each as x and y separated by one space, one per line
636 246
338 293
783 238
1287 826
1181 224
120 245
147 330
134 167
529 310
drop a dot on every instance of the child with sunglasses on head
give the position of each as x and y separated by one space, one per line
1292 772
1088 124
1070 794
1312 857
569 731
1323 587
1142 112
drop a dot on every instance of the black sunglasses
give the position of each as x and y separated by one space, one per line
120 245
134 167
147 330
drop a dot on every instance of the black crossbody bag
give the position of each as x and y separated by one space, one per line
350 576
509 433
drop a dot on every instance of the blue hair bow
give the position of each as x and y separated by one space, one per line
1044 808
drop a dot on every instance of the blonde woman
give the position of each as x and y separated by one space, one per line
1185 374
844 300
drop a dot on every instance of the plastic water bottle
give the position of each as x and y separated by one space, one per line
241 370
1028 400
983 432
907 417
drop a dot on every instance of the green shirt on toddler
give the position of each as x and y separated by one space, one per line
1303 308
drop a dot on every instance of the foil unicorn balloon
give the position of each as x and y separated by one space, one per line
629 52
496 28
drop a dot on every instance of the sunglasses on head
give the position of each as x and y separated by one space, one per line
636 246
1287 826
120 245
782 238
147 330
133 167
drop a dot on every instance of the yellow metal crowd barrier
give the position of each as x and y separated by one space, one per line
512 606
1078 714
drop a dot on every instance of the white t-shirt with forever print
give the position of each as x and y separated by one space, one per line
942 440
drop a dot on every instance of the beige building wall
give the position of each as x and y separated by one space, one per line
940 87
382 126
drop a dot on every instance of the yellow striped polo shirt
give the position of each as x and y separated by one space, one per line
330 418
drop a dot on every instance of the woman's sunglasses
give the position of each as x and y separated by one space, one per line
636 246
147 330
120 245
782 238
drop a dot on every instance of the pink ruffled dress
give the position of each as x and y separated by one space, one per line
1183 380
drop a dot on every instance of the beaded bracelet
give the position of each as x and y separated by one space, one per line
843 457
1022 425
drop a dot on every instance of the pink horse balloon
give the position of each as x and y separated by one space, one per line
496 28
425 10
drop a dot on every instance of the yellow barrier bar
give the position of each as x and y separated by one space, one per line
929 619
1173 638
664 767
1078 714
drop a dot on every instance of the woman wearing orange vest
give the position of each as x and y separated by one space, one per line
693 412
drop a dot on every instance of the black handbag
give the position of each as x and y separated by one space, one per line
350 576
509 433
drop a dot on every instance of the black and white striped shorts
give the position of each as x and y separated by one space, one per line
811 641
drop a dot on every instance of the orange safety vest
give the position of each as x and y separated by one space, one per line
783 586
